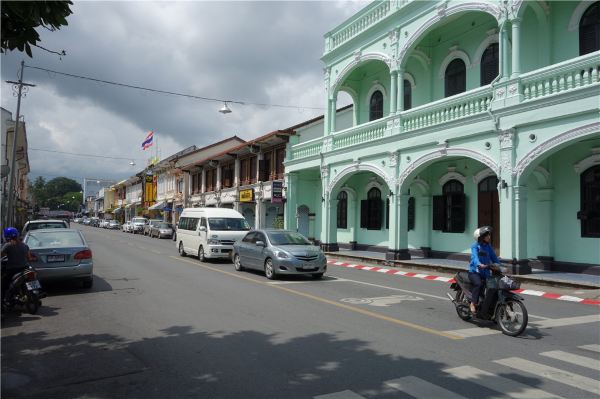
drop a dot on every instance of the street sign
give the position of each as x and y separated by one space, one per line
247 195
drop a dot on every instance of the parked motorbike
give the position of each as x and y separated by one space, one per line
497 303
24 291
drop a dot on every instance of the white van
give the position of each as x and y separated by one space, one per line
209 232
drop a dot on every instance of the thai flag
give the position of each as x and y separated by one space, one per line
147 143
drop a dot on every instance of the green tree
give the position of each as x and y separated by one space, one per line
38 190
72 201
60 186
20 19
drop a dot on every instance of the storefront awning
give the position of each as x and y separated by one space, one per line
119 209
157 206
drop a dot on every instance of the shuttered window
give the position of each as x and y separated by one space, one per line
454 207
590 202
589 30
376 106
342 210
455 78
407 95
374 209
411 213
227 175
489 64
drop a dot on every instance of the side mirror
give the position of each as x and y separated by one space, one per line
202 228
260 244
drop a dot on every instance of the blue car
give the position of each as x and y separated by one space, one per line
279 252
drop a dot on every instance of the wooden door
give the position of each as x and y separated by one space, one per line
489 208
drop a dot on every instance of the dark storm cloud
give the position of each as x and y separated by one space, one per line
265 52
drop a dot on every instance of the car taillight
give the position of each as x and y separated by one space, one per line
85 254
30 275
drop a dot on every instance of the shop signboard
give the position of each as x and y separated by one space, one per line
247 195
277 192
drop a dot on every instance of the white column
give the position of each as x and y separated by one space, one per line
400 91
516 48
333 114
258 214
259 157
236 172
504 52
203 185
393 92
291 202
218 177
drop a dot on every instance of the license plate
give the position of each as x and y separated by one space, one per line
56 258
33 285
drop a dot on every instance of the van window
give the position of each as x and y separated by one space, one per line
193 223
203 222
187 223
228 224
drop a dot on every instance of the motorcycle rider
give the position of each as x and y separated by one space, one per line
482 257
17 254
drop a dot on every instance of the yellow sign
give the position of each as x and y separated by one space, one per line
247 195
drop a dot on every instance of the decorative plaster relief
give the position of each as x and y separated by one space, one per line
505 162
506 138
328 144
554 142
452 175
324 172
512 89
393 159
588 162
484 174
357 166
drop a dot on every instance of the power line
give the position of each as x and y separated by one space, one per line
129 86
83 155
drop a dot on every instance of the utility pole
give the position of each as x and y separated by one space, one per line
22 89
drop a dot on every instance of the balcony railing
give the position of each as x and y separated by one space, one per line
558 78
307 149
447 110
360 134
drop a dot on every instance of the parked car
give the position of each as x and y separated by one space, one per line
126 227
162 229
87 221
137 224
209 232
149 224
279 252
104 223
61 254
45 224
114 225
77 220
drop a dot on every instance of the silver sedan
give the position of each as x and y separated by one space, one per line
61 254
279 252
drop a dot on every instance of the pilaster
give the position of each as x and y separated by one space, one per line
291 202
516 48
393 92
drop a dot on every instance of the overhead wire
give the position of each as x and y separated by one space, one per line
130 86
83 155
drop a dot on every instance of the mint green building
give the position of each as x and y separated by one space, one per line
464 113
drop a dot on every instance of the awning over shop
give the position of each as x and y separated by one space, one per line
119 209
157 206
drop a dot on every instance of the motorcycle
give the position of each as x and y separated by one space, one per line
24 290
497 303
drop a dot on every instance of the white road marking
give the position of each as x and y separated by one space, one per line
569 298
474 332
582 361
509 388
567 321
444 298
592 347
552 373
305 281
532 292
384 301
340 395
419 388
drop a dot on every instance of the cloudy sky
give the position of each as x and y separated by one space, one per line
258 52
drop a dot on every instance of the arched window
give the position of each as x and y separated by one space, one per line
371 210
342 210
589 30
590 202
489 64
455 77
376 106
407 95
411 213
449 209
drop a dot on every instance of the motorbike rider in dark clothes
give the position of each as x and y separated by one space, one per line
482 257
17 254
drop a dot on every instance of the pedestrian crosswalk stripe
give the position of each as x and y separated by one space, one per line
419 388
567 321
582 361
592 347
473 332
340 395
552 373
509 388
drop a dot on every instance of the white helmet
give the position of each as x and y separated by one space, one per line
480 232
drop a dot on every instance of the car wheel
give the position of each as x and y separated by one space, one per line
317 276
88 282
181 251
237 263
201 256
269 270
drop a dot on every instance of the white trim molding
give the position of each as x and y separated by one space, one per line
484 174
543 177
352 195
357 60
360 167
454 54
588 162
421 184
578 13
452 174
549 146
443 153
443 12
411 79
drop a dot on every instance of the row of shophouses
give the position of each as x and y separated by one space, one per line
464 113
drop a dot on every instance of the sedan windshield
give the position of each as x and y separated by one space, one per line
48 225
228 224
54 239
287 238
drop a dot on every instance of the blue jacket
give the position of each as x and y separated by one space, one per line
482 254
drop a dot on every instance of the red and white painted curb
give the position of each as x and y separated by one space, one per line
384 270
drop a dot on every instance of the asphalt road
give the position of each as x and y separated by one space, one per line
156 325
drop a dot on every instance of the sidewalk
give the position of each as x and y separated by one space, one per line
542 277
